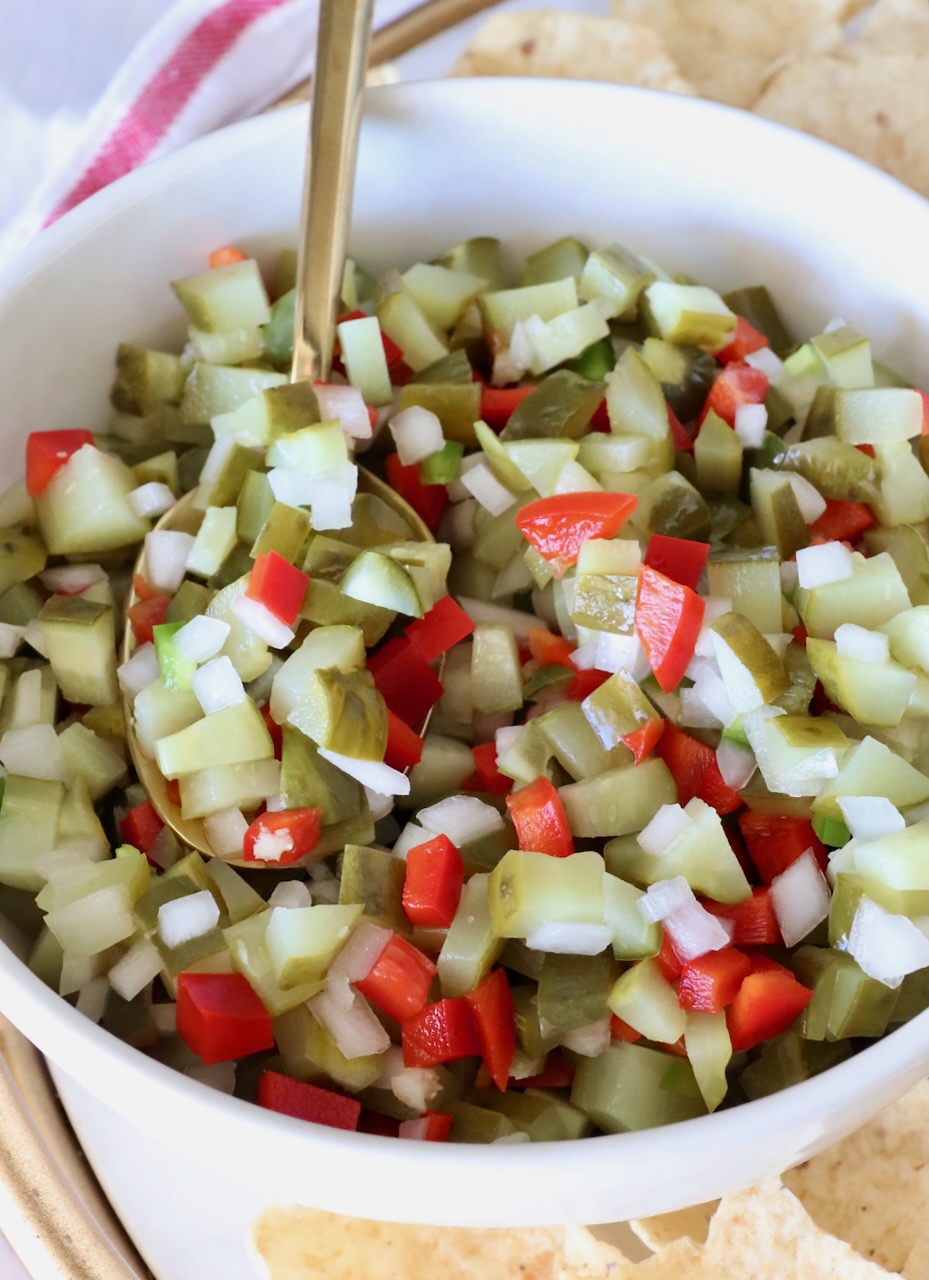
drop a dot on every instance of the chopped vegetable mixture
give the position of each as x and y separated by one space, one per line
603 810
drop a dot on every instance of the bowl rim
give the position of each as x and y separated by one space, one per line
67 1037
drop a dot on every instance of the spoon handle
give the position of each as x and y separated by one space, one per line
341 61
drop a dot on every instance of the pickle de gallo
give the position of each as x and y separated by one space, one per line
663 846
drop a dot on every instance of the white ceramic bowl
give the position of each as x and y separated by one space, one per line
720 194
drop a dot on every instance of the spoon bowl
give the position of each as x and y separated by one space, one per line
184 517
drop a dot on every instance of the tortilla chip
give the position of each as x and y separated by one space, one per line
728 49
877 108
660 1230
571 46
893 26
872 1189
766 1234
681 1260
306 1244
917 1264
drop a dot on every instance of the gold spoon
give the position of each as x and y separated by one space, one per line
335 117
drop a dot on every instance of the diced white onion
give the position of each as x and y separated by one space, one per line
345 405
375 774
751 421
765 360
72 579
33 752
151 499
570 938
461 818
837 322
870 817
275 803
852 641
217 685
291 487
810 501
606 651
225 831
668 823
166 552
331 495
290 894
779 641
262 621
482 484
187 917
355 1030
506 738
589 1041
417 432
415 1086
360 953
663 898
713 607
200 638
736 764
10 638
709 691
139 671
414 1130
887 947
800 897
829 562
133 971
482 611
380 805
92 998
694 931
411 835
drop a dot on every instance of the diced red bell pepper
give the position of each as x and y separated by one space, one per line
427 500
557 1073
404 745
585 682
145 615
491 1003
442 1032
432 887
754 921
47 452
279 838
738 383
141 826
274 729
221 1017
143 588
667 959
399 980
766 1004
668 617
558 526
680 559
744 339
497 403
550 650
277 584
377 1123
842 521
693 766
642 741
761 962
277 1092
405 680
800 634
683 440
430 1126
776 840
443 626
225 256
488 776
711 982
620 1030
540 819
